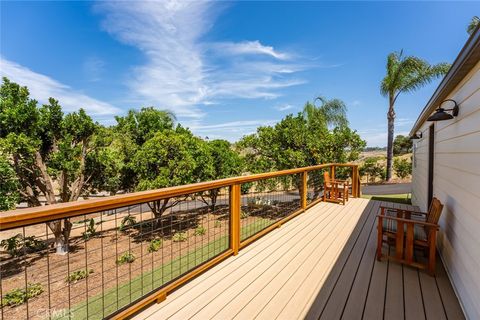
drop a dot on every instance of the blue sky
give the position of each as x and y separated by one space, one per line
225 68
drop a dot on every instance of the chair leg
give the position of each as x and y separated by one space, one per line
432 251
379 240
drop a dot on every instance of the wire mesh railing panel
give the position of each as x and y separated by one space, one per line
315 184
267 201
91 266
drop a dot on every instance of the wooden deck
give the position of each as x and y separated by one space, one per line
320 265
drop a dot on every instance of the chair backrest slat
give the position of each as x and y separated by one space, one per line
434 212
326 178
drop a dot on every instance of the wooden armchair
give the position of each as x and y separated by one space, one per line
409 230
334 190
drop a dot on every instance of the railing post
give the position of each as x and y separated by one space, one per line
359 184
354 181
304 193
235 209
332 172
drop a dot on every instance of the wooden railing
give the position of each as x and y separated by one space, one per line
191 238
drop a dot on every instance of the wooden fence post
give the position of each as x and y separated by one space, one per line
304 193
332 172
235 208
354 181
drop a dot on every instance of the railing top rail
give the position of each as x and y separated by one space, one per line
22 217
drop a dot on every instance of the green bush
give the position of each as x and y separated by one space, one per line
154 245
78 275
19 296
91 230
402 167
180 237
372 169
127 221
18 245
127 257
200 231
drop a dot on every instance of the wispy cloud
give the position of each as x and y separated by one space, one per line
182 71
93 68
283 107
355 103
232 131
42 87
250 47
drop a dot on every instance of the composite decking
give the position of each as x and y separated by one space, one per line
319 265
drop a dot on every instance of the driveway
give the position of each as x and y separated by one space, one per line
381 189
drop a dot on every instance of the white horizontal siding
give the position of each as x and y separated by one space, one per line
456 183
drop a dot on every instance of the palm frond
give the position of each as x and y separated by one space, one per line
473 24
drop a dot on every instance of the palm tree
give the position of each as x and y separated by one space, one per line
405 74
332 112
473 24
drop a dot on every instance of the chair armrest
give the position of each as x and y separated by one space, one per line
423 223
404 210
341 181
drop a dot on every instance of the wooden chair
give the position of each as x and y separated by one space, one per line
409 230
334 190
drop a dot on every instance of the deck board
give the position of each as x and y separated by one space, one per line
320 264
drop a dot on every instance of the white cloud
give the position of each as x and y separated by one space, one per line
232 131
283 107
42 87
377 137
250 47
93 68
355 103
182 71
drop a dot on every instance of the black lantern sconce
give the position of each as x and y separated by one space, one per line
441 114
417 135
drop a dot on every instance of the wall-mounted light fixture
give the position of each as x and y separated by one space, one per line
417 135
441 114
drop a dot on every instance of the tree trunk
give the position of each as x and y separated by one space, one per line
391 123
213 197
62 234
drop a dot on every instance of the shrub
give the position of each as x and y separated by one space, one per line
217 224
127 221
78 275
200 231
402 167
126 257
17 245
154 245
372 169
180 237
19 296
91 230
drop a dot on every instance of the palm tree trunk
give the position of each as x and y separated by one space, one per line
391 129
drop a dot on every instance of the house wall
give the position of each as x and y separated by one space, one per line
456 183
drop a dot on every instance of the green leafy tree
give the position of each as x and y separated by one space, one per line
402 167
171 158
46 146
9 195
473 24
402 145
130 133
372 169
144 124
302 140
405 74
226 162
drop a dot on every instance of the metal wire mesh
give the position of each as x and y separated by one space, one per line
267 201
114 257
315 185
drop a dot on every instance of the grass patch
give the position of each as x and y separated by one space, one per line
122 295
404 198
